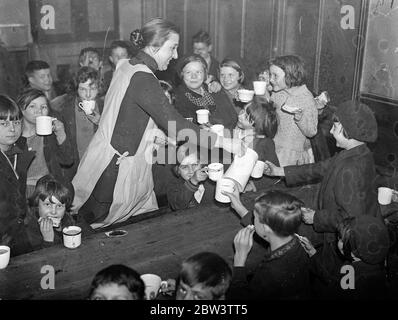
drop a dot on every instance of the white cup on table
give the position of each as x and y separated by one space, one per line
4 256
72 236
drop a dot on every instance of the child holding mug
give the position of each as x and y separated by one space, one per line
53 151
190 187
50 204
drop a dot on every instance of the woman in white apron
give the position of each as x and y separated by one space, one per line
114 179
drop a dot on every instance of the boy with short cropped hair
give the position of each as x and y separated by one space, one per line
117 282
203 276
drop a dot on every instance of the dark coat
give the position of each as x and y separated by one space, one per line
370 280
65 105
180 193
347 189
222 112
283 274
57 156
347 186
13 230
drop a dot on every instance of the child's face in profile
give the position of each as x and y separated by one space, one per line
196 292
52 209
277 78
112 291
188 166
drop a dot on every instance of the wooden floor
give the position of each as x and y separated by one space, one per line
157 245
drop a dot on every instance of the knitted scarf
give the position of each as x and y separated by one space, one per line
205 101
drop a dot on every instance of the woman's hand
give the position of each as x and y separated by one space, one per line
243 243
307 215
307 245
236 203
272 170
59 131
46 229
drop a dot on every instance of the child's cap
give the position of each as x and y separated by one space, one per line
358 120
370 241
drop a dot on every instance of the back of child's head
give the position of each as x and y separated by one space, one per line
366 237
209 270
263 115
47 187
122 276
9 109
280 211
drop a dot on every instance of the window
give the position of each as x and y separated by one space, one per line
380 66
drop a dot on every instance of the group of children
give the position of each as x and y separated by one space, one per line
343 227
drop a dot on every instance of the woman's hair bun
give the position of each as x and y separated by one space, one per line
137 39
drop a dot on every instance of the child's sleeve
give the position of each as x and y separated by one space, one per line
265 148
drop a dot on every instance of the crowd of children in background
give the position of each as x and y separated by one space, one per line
305 246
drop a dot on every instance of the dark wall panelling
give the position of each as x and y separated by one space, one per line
301 33
175 13
339 47
258 34
386 147
198 18
229 28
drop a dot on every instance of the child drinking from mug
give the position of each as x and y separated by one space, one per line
117 282
50 204
284 271
190 187
257 126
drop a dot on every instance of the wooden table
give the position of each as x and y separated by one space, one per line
156 245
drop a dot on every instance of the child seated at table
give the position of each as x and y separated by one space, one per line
117 282
284 272
203 276
257 126
189 187
363 243
50 205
